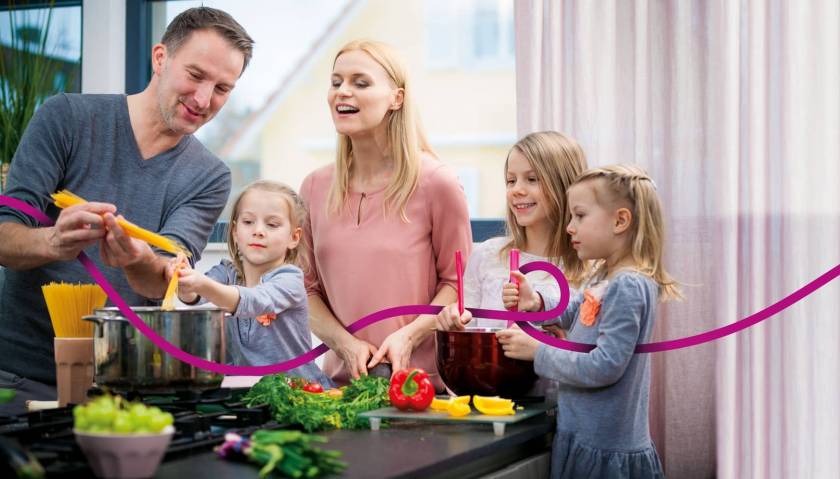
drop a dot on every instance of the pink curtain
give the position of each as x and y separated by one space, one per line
734 109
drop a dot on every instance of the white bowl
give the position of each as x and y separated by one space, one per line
124 455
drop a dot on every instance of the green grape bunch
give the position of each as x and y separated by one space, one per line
113 414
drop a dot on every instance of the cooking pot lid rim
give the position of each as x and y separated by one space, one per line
112 312
475 330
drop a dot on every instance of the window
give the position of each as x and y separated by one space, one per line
40 55
469 34
276 124
22 31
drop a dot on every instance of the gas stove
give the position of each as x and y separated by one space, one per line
201 421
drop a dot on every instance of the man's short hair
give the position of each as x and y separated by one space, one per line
203 18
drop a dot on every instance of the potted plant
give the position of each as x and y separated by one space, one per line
27 76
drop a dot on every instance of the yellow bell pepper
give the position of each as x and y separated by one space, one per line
493 406
457 409
439 405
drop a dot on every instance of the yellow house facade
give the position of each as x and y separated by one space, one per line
460 58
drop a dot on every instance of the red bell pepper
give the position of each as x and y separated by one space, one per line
411 389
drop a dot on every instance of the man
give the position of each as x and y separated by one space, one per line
128 155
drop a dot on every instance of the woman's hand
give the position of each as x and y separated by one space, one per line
517 344
520 297
355 353
448 318
397 347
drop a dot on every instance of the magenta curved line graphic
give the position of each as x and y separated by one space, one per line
522 319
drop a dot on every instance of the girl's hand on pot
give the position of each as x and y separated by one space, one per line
448 318
517 344
555 331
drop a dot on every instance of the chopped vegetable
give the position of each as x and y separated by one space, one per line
442 405
411 389
334 393
457 409
493 406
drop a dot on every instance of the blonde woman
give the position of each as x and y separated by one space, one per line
384 221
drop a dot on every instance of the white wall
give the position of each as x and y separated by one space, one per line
103 46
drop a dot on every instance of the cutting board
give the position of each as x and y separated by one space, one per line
375 416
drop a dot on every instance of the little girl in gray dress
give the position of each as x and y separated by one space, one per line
602 404
262 284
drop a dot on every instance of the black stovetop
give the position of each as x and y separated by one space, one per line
201 421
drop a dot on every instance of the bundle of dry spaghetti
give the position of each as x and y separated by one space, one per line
67 303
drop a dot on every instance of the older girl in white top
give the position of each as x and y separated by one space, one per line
539 169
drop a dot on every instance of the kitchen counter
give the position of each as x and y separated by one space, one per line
405 449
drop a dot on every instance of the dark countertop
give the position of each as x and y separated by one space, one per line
405 449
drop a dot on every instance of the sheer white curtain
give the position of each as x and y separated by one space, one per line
734 109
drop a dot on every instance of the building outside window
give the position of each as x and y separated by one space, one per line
276 124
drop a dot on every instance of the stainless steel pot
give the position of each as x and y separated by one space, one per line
126 360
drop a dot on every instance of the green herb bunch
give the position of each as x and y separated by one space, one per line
364 394
319 411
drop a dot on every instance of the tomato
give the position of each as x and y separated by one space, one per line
313 388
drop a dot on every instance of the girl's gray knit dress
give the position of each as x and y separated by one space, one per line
249 343
602 404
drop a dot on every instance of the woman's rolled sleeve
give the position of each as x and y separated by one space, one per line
450 224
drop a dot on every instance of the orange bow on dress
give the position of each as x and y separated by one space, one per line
266 319
589 309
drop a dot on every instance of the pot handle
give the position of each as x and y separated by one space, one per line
95 319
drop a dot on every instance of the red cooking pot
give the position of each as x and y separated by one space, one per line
472 362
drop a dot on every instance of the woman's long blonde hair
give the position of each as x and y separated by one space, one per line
618 186
405 134
557 161
297 219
